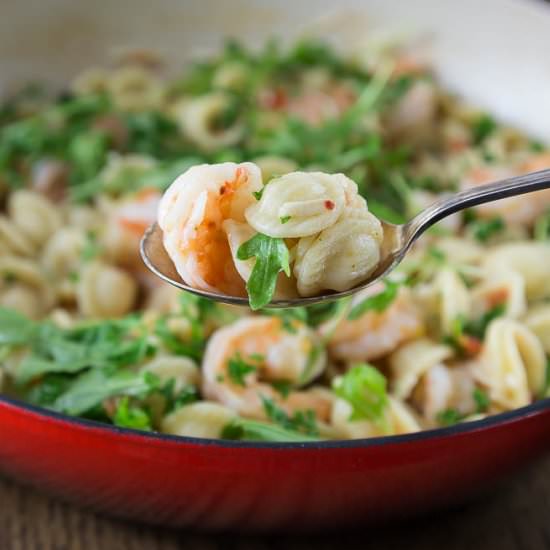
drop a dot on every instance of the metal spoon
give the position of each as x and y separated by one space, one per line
397 238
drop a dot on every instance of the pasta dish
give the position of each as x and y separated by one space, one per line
259 163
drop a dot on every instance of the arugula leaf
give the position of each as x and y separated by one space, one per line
379 302
92 387
254 430
104 344
481 399
364 387
15 329
238 368
271 258
131 416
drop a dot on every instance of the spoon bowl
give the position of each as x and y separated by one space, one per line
396 242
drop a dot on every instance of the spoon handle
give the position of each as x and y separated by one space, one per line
442 208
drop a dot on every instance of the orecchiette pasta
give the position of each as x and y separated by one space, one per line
398 419
198 121
105 291
203 419
341 256
530 259
538 321
301 204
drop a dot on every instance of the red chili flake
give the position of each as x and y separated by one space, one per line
222 189
329 205
471 345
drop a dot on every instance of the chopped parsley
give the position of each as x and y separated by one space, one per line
284 219
238 369
300 421
271 258
258 194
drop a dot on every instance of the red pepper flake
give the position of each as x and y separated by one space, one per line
329 205
470 345
222 189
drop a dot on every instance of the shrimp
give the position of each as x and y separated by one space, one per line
272 352
375 334
192 215
128 220
520 210
443 388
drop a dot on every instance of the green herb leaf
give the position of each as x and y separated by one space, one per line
238 369
483 230
477 327
95 385
379 302
15 329
483 127
300 421
253 430
258 194
364 387
481 399
271 258
131 416
448 417
284 219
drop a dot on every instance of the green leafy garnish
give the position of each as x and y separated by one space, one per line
364 387
483 230
253 430
482 128
271 258
238 369
131 416
481 399
15 329
379 302
284 219
300 421
448 417
258 194
95 385
283 387
542 227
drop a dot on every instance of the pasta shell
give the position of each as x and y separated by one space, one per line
409 363
512 365
300 204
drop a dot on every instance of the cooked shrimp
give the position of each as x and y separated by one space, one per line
376 334
192 215
129 219
443 388
514 210
274 352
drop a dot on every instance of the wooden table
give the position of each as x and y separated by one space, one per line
515 517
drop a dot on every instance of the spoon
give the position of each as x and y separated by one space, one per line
396 242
